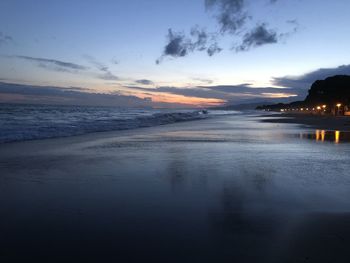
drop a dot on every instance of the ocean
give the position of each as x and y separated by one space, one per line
28 122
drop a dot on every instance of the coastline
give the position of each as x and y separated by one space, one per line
223 189
331 123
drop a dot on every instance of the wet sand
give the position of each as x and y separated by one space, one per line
231 189
341 123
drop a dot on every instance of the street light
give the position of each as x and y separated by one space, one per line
338 110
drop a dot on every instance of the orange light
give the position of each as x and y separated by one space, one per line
318 135
339 105
337 137
324 106
323 135
318 107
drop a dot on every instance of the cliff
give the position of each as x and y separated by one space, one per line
329 91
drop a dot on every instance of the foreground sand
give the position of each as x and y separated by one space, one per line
232 189
315 121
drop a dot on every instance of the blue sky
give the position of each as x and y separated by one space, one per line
111 47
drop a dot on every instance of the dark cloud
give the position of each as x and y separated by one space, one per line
200 37
5 39
180 45
56 65
258 36
232 18
67 96
106 74
144 82
305 81
230 14
213 49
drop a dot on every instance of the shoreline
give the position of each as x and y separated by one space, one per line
232 180
331 123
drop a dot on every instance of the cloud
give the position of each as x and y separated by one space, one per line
229 93
144 82
5 39
206 81
62 66
200 37
230 14
189 92
56 65
213 49
67 96
258 36
305 81
106 74
291 88
232 17
180 45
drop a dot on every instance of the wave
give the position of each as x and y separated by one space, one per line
19 123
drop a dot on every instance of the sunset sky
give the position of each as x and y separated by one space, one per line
169 53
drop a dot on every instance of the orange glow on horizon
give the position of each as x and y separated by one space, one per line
182 100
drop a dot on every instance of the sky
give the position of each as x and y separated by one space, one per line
163 53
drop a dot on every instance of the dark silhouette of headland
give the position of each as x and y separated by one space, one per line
328 96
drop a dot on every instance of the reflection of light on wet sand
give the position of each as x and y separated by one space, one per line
320 135
330 136
337 136
323 135
317 135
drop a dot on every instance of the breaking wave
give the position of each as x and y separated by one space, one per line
29 122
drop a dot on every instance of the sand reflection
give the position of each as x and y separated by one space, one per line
329 136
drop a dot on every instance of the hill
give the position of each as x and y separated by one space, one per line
329 91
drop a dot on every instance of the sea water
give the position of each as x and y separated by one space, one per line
28 122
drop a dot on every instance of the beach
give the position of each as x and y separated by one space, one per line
326 122
236 188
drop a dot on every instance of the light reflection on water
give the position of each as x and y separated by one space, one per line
329 136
